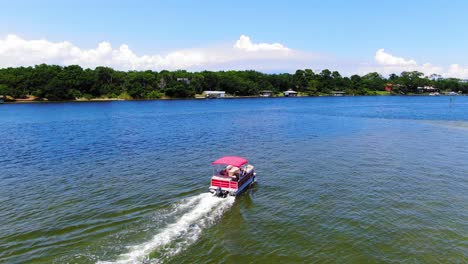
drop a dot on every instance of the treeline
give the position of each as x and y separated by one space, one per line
68 83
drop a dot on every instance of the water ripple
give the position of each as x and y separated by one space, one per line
340 180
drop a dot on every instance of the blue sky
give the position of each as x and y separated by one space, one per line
347 33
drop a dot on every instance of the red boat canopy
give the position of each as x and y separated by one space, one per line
230 160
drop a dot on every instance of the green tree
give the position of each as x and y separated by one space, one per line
411 81
300 80
4 90
325 79
373 81
312 87
180 90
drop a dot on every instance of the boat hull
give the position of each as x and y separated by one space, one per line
229 187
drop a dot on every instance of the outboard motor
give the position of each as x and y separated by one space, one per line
220 193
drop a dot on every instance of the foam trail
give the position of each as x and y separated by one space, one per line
203 212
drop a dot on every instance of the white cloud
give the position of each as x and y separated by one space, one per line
244 43
385 58
387 63
240 55
16 51
456 70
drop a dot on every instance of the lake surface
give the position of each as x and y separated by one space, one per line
342 180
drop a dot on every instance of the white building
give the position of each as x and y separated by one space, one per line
266 93
214 94
290 93
427 89
338 93
185 80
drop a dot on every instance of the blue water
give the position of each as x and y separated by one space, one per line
352 179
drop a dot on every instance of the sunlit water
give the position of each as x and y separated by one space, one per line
345 180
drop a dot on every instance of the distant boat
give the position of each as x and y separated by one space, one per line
452 93
434 94
266 93
231 176
2 100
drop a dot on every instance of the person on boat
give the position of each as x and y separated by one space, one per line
234 173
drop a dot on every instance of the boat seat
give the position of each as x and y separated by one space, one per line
233 171
248 168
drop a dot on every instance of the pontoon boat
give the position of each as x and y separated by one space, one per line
231 175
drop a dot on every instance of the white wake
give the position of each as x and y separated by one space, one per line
201 212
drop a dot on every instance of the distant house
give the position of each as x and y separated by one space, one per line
427 89
452 93
184 80
214 94
388 87
338 93
266 93
290 93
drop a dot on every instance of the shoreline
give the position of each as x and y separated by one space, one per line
103 100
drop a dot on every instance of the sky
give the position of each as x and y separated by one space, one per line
357 36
